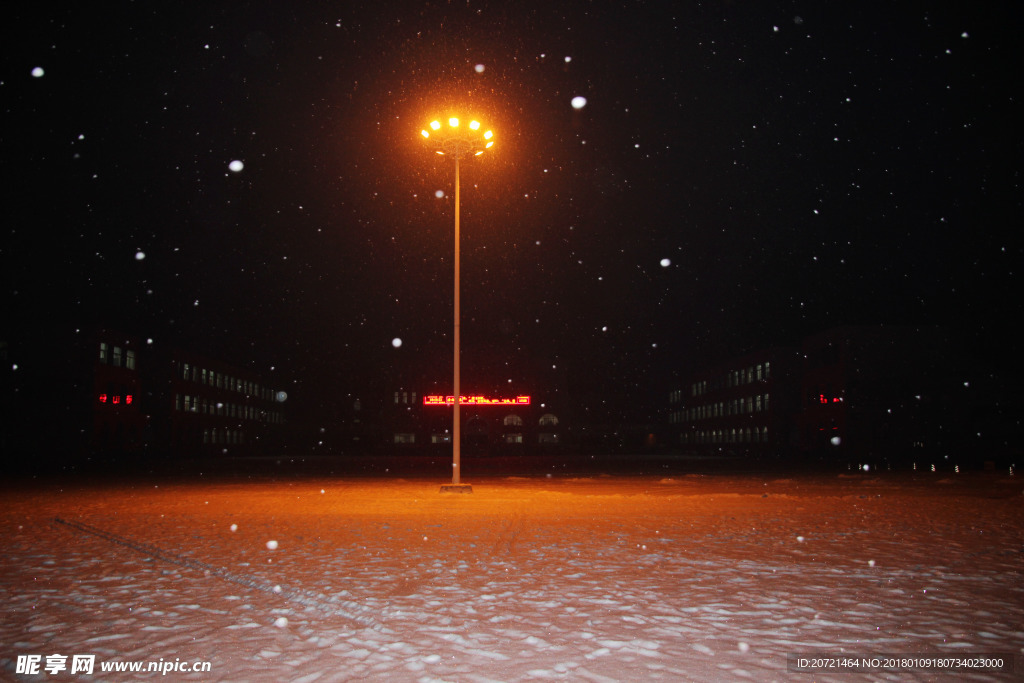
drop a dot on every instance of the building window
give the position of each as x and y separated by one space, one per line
513 421
513 438
117 356
129 359
548 420
405 437
103 352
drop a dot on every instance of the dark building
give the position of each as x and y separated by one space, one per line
119 423
881 392
744 406
885 392
102 393
203 406
419 423
68 394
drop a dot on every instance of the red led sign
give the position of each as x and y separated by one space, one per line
116 399
475 401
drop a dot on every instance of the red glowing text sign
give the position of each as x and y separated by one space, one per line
116 399
475 401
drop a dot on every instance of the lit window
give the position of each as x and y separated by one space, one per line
129 359
513 421
117 356
103 352
548 420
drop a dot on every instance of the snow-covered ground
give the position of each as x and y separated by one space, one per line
597 578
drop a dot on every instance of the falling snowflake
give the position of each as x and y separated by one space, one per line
396 342
38 72
236 166
579 102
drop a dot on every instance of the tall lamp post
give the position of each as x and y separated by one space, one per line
457 140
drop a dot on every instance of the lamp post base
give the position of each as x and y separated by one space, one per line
456 488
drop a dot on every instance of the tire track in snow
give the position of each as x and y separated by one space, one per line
345 608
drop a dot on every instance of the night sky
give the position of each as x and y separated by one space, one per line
741 175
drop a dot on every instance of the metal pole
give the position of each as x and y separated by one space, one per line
456 427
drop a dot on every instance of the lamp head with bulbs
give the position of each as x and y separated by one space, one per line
456 138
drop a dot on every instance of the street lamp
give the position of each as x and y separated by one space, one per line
456 139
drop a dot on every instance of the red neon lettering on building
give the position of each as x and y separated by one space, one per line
476 401
115 398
